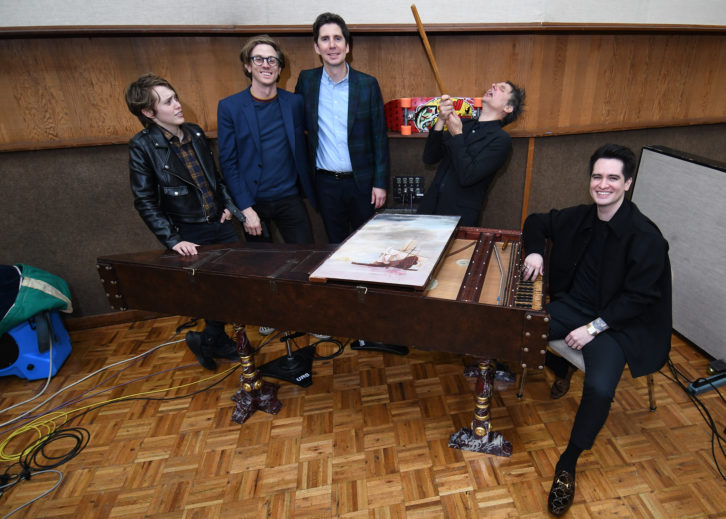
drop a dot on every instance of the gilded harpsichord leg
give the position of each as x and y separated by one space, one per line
480 438
255 393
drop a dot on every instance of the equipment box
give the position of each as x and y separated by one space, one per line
20 354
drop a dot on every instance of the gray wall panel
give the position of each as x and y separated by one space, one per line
684 197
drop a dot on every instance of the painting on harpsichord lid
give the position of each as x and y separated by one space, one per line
391 249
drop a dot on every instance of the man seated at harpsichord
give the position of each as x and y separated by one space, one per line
610 290
470 153
178 191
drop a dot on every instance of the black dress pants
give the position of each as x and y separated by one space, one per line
342 206
604 365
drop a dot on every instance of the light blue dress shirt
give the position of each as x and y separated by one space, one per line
333 153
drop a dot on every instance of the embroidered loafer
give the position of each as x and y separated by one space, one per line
562 493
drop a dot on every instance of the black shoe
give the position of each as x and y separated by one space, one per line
562 493
561 385
201 347
225 348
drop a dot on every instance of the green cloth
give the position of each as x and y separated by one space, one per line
39 291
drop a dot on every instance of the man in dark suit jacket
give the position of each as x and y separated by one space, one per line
470 153
346 132
610 290
262 148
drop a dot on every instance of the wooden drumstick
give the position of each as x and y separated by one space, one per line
430 54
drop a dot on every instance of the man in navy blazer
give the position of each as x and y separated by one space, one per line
346 132
262 148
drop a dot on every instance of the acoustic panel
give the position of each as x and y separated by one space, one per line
683 194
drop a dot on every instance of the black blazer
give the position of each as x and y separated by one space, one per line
469 163
635 275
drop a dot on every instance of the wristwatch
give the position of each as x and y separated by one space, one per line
597 326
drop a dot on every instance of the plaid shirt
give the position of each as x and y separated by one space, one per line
185 152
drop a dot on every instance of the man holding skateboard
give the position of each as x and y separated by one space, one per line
346 132
470 153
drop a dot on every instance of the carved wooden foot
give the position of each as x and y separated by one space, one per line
255 393
480 438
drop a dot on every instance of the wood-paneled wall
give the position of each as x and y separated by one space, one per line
67 206
68 91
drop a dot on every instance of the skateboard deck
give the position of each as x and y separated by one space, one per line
419 114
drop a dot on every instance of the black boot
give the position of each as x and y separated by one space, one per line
225 348
221 346
202 348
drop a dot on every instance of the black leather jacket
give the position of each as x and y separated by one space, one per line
164 192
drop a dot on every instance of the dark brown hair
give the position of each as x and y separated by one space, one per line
140 96
616 151
516 101
327 18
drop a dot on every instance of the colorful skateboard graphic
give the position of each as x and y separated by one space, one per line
418 114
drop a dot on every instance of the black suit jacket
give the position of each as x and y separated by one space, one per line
635 275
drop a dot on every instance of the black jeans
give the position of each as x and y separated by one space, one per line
290 217
208 233
604 365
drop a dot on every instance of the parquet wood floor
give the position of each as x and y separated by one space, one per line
367 440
